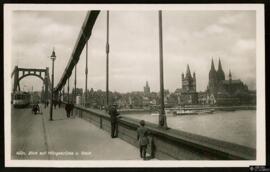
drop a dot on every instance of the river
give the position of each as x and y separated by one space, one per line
237 127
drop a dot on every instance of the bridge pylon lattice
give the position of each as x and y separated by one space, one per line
19 73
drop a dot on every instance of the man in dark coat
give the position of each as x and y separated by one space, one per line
71 108
114 126
68 109
54 104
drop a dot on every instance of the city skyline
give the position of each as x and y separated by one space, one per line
134 46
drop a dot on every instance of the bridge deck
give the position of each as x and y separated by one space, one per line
62 137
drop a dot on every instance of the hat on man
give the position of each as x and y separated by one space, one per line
142 122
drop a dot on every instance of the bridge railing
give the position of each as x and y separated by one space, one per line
169 144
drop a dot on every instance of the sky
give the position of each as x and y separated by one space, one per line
189 37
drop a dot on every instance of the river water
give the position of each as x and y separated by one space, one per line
237 127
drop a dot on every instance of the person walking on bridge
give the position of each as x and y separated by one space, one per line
59 103
114 126
68 109
54 104
71 109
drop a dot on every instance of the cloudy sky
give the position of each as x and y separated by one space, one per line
189 37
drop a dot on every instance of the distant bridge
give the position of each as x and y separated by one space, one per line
19 73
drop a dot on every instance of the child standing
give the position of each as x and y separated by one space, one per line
143 139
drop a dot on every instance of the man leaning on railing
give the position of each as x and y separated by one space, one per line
113 114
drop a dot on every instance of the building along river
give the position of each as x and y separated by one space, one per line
237 127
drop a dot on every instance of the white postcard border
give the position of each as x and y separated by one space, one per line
260 85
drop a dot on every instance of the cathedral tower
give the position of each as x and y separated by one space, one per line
212 84
220 73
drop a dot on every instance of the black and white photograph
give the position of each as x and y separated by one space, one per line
134 85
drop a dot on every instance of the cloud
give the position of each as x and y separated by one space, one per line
212 29
244 44
189 37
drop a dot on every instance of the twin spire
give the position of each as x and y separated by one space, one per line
212 65
219 72
219 65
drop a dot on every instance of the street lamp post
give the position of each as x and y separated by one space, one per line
53 57
107 62
86 73
162 116
75 84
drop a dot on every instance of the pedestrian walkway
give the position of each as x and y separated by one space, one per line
76 139
27 135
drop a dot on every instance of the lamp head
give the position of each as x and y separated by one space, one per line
53 56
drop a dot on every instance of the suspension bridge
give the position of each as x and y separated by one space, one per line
85 136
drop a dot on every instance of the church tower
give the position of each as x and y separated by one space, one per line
189 82
146 89
188 93
220 73
188 74
212 83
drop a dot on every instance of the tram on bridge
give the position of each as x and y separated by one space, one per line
21 99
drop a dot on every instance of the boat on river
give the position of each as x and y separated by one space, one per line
193 112
175 112
185 112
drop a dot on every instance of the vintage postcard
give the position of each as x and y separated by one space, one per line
134 85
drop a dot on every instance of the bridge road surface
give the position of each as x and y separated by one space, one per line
35 137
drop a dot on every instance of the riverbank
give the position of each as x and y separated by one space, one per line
191 107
